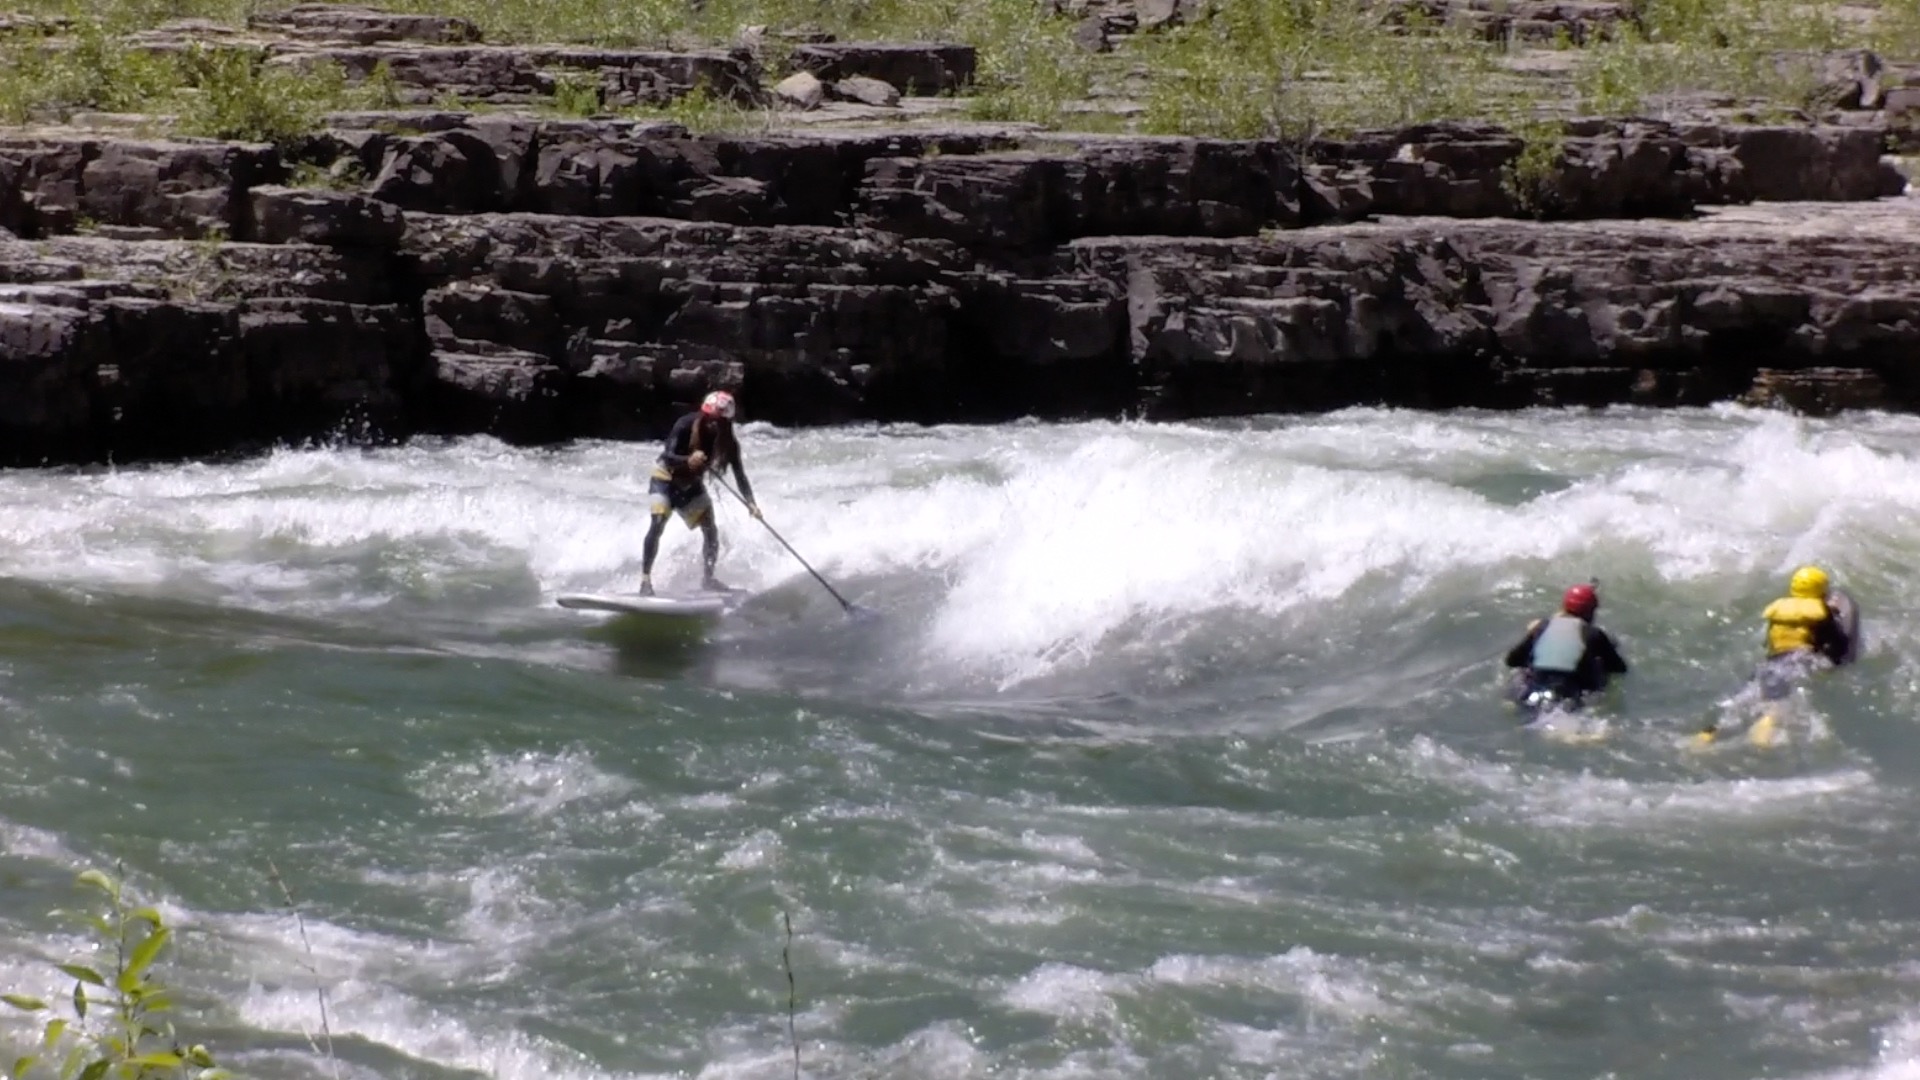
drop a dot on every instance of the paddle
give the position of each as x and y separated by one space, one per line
848 605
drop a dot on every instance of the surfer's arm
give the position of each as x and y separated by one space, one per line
681 435
1608 655
740 477
1830 638
1522 654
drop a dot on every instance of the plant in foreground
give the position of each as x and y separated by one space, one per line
118 1028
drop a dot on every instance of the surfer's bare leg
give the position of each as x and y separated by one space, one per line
709 545
650 549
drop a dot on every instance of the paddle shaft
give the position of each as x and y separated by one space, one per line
835 593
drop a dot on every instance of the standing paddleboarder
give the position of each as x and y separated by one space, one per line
699 441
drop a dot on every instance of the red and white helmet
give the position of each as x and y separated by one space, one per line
719 403
1581 601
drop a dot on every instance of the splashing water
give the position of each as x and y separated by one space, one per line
1176 750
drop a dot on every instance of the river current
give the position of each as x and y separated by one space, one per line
1158 751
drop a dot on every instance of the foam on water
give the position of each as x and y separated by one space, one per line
394 993
425 1034
1043 547
1330 986
25 841
526 784
1899 1057
1072 873
1556 799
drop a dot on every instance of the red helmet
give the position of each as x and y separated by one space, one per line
719 403
1580 600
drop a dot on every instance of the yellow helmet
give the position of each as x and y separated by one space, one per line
1809 581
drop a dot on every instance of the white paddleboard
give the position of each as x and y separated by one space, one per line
690 607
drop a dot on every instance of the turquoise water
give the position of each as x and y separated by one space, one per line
1172 751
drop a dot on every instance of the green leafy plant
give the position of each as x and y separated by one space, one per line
346 174
1896 29
1757 51
205 275
1204 89
118 1026
702 111
379 90
1265 68
1029 69
1615 78
577 93
239 96
449 101
1528 178
90 68
1281 67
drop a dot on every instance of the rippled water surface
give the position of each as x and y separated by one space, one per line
1170 751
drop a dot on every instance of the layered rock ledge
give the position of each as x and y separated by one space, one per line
423 270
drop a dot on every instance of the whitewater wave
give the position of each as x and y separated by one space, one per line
1014 555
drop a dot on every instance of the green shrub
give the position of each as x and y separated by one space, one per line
345 174
702 111
379 90
1429 73
1528 178
239 96
1618 76
217 92
1896 30
1201 88
1029 69
1282 67
91 68
577 93
118 1026
1251 67
1754 50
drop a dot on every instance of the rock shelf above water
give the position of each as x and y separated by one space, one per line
543 278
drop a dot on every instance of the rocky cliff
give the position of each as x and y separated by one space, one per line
542 278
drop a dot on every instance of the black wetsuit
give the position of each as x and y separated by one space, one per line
681 483
681 489
1599 661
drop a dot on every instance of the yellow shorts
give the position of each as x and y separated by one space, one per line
691 503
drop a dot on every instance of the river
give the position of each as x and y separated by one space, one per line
1157 751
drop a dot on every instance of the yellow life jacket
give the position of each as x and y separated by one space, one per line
1790 623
